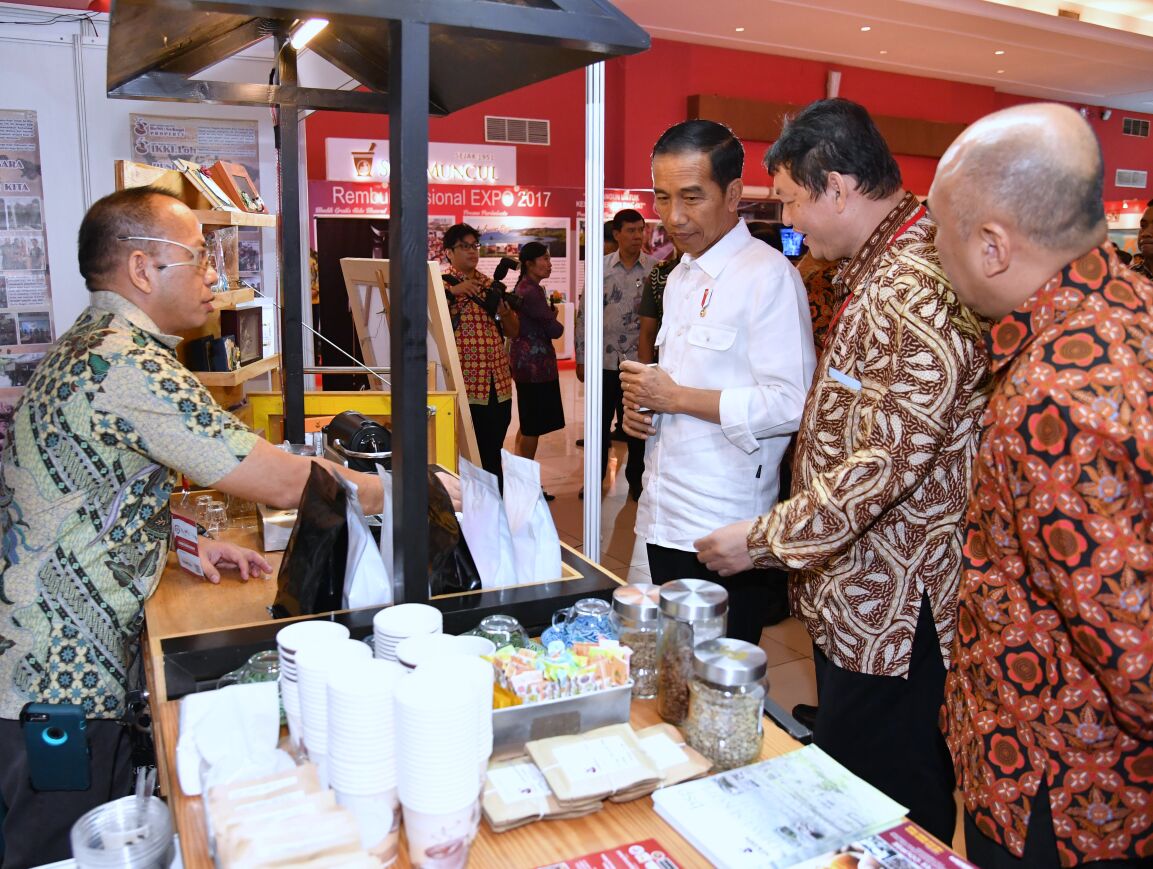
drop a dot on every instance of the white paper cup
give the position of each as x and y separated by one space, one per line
478 646
378 816
439 840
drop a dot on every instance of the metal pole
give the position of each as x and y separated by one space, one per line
408 278
594 301
292 346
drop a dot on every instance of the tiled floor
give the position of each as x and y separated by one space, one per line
790 654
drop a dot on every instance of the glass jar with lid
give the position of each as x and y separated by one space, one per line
691 611
636 616
726 698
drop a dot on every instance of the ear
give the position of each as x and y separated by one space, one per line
138 272
733 194
996 253
837 188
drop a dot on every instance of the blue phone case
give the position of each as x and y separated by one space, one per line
56 742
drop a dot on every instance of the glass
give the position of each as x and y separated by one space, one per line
636 619
124 833
586 621
691 612
726 696
241 513
261 667
216 518
502 630
202 502
467 245
200 255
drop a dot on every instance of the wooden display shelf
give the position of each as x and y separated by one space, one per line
229 299
219 217
225 379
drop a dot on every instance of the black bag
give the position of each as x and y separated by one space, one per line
450 565
311 578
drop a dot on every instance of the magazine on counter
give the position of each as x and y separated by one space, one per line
904 846
776 813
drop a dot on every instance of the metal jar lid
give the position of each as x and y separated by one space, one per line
638 602
725 661
691 599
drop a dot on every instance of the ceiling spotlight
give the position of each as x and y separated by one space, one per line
999 52
1106 114
739 29
1084 112
884 51
304 31
866 29
1000 72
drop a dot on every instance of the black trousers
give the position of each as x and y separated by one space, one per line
490 422
36 825
1040 844
749 592
885 729
612 396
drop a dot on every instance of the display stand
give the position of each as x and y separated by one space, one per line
366 278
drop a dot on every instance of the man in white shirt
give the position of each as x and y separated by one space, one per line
736 360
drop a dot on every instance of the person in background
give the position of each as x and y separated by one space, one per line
883 460
1049 700
652 305
534 369
610 238
106 425
481 322
825 294
624 274
736 359
610 246
1142 263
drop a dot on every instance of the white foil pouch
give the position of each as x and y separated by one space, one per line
535 542
485 527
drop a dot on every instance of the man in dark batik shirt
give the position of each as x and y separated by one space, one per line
1049 702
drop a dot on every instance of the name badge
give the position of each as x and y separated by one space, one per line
844 379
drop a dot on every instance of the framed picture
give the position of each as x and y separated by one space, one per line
234 180
247 326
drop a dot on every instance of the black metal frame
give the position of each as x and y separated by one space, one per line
492 46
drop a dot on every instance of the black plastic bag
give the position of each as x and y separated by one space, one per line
450 565
311 578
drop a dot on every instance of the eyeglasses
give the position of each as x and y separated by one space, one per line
466 245
199 259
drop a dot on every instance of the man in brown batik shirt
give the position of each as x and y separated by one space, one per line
881 474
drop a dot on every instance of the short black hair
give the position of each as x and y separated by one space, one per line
835 136
457 233
123 213
532 250
626 215
725 151
609 232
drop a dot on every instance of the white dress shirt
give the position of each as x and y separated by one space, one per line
736 319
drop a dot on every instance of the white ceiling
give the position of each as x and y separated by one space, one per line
1108 63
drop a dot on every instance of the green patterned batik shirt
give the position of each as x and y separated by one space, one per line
108 420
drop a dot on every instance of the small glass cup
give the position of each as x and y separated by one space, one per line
216 518
502 630
586 621
202 502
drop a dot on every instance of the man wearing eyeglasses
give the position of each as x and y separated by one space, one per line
106 424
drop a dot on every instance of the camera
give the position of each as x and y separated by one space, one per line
497 292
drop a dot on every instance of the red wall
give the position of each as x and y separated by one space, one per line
648 92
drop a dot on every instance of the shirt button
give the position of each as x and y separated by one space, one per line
680 331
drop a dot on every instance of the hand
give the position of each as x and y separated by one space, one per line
726 550
216 554
452 486
639 425
649 387
465 288
580 372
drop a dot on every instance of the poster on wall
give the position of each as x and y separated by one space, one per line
160 140
26 329
505 236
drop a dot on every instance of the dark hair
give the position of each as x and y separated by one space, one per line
835 136
725 151
457 233
125 212
1149 204
626 215
609 232
532 250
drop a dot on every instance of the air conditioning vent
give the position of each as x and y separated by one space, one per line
1132 178
1135 127
516 131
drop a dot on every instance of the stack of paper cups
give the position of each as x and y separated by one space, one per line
478 675
438 708
289 640
314 663
362 749
411 652
395 623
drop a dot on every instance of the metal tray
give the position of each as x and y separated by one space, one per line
516 725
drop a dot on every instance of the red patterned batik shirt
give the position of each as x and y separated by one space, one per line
1050 681
483 358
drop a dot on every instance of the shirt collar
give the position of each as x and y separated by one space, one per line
106 300
860 263
713 261
1051 304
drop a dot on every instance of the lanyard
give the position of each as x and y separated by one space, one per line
905 227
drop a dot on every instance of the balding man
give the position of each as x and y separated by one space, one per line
107 423
1049 702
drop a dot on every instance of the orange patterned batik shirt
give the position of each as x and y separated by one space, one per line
1050 681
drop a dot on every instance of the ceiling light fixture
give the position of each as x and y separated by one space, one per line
739 29
866 29
999 52
884 51
304 31
1000 72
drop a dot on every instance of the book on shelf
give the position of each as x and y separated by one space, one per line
774 814
205 185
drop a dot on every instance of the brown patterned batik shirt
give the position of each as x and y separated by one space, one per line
1052 679
884 453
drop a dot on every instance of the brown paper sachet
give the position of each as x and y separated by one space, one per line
223 802
313 842
593 765
677 761
515 794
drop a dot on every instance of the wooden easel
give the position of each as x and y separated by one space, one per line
362 278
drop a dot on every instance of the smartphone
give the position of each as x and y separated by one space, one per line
56 742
